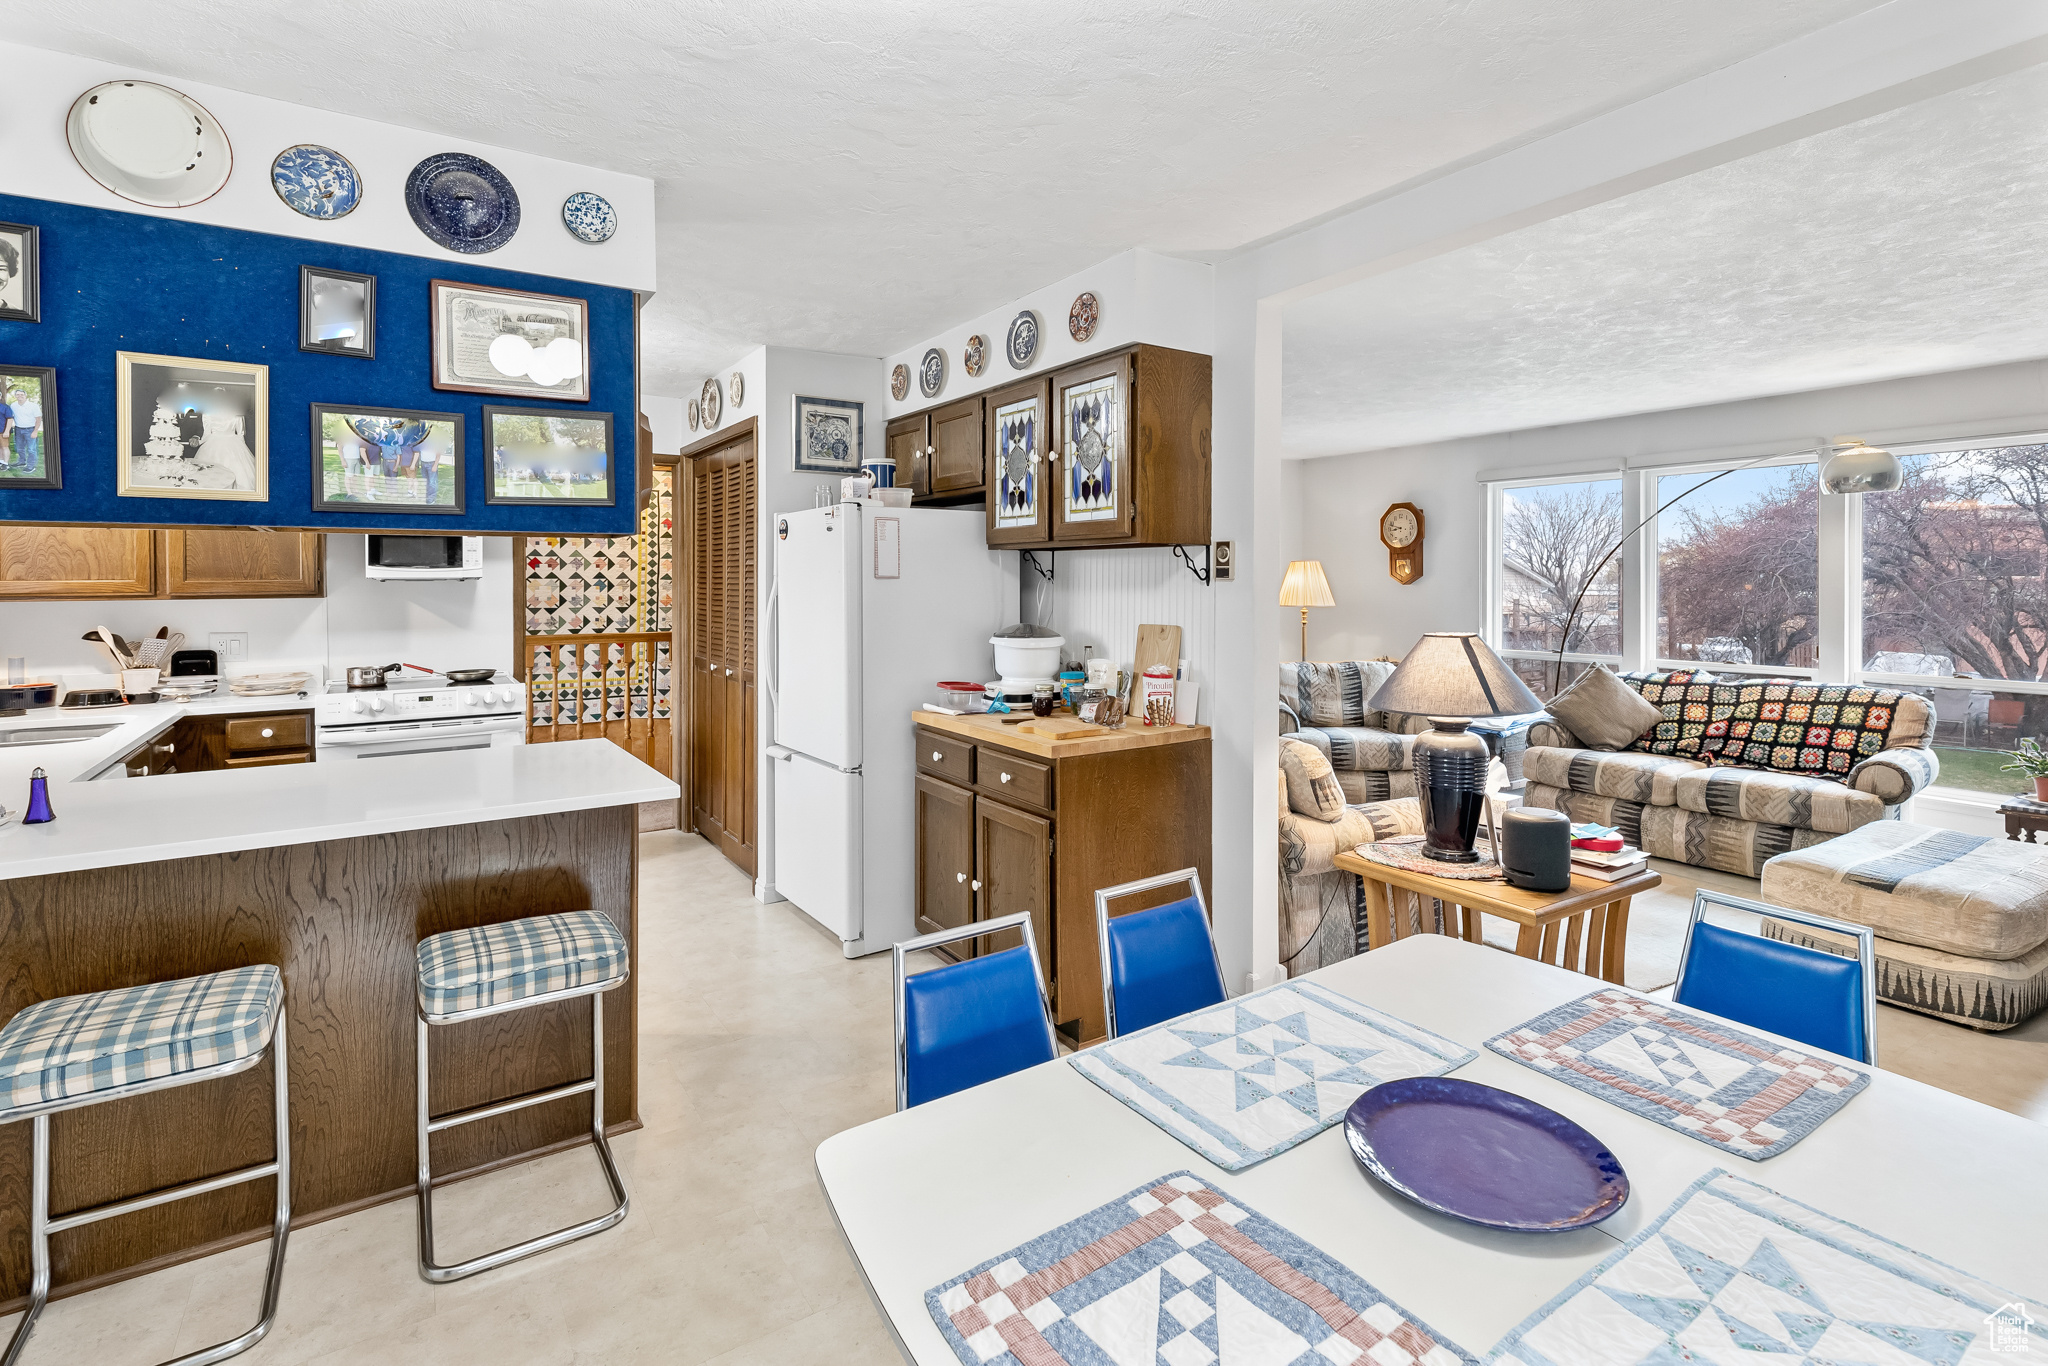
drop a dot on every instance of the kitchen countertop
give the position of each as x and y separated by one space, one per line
989 730
123 820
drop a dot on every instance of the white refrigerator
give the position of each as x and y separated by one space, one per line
871 608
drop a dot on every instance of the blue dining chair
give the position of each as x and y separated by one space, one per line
972 1021
1157 963
1820 998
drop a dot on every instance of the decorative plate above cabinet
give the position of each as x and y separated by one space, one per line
318 182
710 401
931 373
589 217
899 383
1081 318
736 389
693 415
1022 344
975 358
462 203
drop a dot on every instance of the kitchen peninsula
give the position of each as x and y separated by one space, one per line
333 871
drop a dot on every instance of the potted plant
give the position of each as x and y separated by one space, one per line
2031 760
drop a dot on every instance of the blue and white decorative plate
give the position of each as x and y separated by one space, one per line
316 181
462 202
1022 344
931 373
589 217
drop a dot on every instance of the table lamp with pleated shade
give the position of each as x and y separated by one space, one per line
1305 587
1452 677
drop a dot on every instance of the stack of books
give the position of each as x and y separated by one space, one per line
1624 862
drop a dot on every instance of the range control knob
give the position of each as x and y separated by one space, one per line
377 704
491 695
470 697
355 704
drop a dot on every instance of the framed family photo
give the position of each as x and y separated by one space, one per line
546 455
337 312
828 435
29 458
191 428
21 270
506 341
386 460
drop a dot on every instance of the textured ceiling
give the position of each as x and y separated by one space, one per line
1910 243
852 177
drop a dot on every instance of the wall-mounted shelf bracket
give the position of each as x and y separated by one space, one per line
1044 571
1200 571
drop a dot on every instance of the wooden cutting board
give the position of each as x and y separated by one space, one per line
1060 728
1156 645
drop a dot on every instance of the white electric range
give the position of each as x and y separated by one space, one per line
419 715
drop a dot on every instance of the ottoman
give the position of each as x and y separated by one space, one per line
1961 920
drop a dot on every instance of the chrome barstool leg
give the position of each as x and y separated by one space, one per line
428 1126
38 1239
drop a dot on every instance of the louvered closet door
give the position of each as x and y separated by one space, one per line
724 511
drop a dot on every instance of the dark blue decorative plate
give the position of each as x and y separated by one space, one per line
1484 1155
462 202
931 373
1022 343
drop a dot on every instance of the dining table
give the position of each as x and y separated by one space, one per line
930 1192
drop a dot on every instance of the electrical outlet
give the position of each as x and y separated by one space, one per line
232 647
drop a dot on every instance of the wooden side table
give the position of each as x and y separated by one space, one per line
2024 817
1584 929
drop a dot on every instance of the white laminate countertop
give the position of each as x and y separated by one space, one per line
108 822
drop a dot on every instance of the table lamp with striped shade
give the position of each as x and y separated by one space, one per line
1305 587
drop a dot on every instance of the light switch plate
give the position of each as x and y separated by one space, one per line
1223 562
230 646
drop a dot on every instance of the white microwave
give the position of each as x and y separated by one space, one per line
423 557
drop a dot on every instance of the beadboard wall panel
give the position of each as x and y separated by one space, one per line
1102 597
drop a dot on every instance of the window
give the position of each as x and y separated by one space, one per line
1738 569
1940 587
1953 589
1551 538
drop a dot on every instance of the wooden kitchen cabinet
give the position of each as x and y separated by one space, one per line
242 562
84 562
956 450
1129 454
909 444
1019 502
199 744
1052 822
76 562
945 860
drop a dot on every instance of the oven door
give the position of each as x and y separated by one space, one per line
426 737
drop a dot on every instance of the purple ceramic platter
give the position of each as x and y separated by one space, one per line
1484 1155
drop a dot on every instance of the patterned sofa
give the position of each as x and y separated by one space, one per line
1371 751
1321 911
1741 769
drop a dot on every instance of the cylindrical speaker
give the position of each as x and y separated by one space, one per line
1536 848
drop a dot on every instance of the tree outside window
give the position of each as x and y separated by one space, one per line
1551 538
1738 568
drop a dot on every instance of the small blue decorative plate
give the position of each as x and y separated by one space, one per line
1022 344
1484 1155
462 202
316 181
931 373
589 217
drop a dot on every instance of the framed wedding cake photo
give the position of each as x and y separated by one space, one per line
192 428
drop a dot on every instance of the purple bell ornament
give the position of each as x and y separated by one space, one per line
38 800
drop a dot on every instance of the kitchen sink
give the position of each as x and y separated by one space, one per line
53 735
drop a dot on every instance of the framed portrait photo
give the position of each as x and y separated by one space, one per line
828 435
379 460
21 271
548 455
337 312
29 457
191 428
505 341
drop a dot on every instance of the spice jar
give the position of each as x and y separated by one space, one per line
1044 697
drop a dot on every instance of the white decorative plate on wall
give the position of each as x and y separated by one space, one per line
149 143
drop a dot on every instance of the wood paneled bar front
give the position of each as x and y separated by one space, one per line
342 917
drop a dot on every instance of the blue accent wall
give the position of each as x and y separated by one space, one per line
115 281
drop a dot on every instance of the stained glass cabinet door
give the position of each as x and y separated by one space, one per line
1092 475
1021 485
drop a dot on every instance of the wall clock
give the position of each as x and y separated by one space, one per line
1401 533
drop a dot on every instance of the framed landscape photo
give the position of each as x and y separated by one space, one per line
21 271
548 455
377 460
191 428
506 341
337 312
828 435
29 458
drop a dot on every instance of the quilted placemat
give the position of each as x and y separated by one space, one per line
1735 1274
1695 1073
1252 1077
1177 1274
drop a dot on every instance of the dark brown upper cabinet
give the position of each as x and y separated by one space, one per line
909 440
1020 491
955 449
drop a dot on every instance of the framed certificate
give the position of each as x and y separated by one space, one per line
504 341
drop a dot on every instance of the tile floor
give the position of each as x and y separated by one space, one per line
758 1040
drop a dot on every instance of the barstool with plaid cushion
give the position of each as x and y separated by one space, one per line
74 1051
468 974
